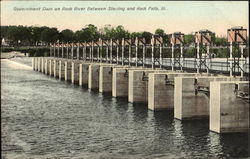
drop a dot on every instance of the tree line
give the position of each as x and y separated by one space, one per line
34 35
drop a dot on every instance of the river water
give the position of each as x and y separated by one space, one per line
43 117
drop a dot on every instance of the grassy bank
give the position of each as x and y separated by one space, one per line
31 52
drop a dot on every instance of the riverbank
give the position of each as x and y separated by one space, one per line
13 54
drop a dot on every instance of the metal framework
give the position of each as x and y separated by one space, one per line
139 52
177 41
237 36
88 51
104 49
203 40
140 43
127 49
114 44
156 47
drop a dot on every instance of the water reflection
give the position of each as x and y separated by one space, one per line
121 107
178 133
140 112
215 146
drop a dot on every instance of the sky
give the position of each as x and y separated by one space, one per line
178 16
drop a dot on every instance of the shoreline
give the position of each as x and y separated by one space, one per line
13 54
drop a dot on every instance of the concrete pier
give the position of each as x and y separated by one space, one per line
161 89
33 63
191 96
42 65
94 69
138 85
56 68
51 67
47 65
61 74
38 64
229 107
75 72
83 73
120 81
67 70
105 77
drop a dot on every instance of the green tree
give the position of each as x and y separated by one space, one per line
49 35
109 32
159 32
162 33
91 32
36 34
4 30
135 34
147 36
220 41
222 53
120 32
190 52
67 35
80 36
18 34
189 39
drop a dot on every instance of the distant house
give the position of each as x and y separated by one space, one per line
5 42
